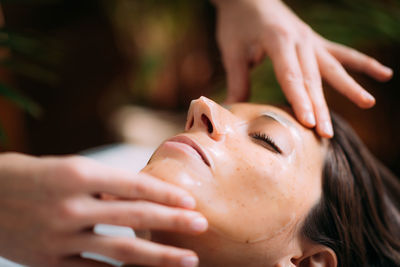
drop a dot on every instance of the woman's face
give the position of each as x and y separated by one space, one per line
254 171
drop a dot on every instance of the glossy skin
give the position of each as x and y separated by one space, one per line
252 195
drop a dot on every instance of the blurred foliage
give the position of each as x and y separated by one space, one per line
158 36
20 100
362 24
355 22
14 42
153 34
33 56
3 137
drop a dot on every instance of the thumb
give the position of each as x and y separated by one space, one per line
237 71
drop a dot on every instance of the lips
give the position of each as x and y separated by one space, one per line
188 141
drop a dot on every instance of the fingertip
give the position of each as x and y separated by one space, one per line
305 116
309 119
199 225
386 74
387 71
325 129
381 72
189 261
368 101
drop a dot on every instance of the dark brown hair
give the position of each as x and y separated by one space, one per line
358 214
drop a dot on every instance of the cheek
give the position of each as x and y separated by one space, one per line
254 201
179 173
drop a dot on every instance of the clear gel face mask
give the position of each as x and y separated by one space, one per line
249 194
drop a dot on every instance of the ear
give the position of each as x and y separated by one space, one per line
317 256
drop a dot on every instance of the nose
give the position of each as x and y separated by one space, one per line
206 115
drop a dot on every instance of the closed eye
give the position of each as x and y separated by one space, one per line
265 141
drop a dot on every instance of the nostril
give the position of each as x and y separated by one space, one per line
191 123
208 123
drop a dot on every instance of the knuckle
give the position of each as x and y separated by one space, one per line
72 167
332 67
370 62
305 31
122 250
75 168
70 210
180 218
138 223
282 32
352 52
141 188
138 218
312 83
309 82
292 78
168 258
170 197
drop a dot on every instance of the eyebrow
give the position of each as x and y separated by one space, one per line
281 120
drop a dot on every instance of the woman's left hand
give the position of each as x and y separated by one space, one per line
249 30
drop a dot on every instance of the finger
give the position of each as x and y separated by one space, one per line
141 186
359 62
133 250
143 215
237 71
313 84
78 261
256 55
289 75
337 76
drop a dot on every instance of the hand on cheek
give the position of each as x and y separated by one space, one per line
50 206
249 30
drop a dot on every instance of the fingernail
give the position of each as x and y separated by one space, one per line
368 96
199 224
188 202
310 119
189 261
388 70
327 128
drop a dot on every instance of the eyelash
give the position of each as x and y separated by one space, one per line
267 140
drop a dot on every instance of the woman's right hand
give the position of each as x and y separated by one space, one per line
49 206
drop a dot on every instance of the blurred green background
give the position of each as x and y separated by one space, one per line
67 66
